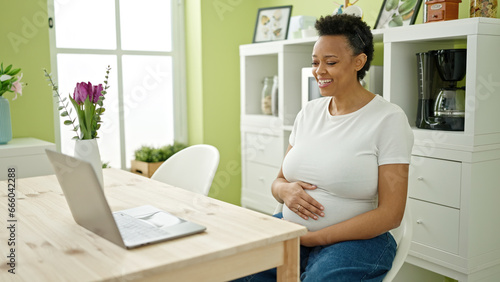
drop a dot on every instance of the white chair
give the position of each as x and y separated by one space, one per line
402 235
192 168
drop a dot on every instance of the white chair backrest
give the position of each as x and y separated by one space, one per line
192 168
403 235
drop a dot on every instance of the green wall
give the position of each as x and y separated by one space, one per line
214 30
25 44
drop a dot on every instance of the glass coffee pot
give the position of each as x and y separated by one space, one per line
450 101
441 103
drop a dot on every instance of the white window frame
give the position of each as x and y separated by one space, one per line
178 72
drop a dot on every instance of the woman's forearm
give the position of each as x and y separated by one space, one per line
364 226
276 187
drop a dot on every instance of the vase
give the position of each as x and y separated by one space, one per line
5 122
88 150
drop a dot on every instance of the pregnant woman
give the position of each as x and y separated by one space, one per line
345 173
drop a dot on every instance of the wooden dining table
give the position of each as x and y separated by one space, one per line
42 242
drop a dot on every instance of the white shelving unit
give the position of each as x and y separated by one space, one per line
454 184
265 137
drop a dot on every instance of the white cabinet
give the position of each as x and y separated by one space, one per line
454 183
435 180
27 155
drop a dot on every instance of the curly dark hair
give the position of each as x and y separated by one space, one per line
356 31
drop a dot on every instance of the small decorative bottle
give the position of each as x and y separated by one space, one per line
266 101
274 96
483 8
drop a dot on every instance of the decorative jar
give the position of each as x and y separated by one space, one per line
266 98
483 8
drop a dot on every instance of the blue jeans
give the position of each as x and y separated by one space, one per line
358 260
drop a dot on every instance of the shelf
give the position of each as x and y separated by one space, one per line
274 47
448 30
262 123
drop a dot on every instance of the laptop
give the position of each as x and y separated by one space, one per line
129 228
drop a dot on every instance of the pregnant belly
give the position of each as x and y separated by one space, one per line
336 210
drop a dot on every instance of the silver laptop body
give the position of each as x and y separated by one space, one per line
128 228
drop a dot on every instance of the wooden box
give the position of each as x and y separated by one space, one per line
442 10
144 168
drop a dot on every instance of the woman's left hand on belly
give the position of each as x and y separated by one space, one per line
301 203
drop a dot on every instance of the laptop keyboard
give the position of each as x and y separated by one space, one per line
133 229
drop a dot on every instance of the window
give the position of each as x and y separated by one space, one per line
143 43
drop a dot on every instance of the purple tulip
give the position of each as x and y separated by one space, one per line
81 92
84 90
97 92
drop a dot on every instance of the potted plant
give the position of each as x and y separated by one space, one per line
148 159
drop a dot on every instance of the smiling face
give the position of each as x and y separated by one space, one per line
335 66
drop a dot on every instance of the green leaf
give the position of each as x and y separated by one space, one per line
67 122
7 69
64 114
14 72
60 108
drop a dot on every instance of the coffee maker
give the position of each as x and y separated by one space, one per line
441 103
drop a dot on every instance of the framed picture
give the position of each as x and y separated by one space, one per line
272 24
397 13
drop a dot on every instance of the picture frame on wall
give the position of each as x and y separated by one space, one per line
272 24
394 13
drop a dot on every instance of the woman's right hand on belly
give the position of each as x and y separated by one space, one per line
301 203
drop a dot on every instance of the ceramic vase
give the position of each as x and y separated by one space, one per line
5 122
88 150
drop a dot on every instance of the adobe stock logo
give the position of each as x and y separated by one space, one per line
29 28
223 6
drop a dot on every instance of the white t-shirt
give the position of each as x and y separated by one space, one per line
341 155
